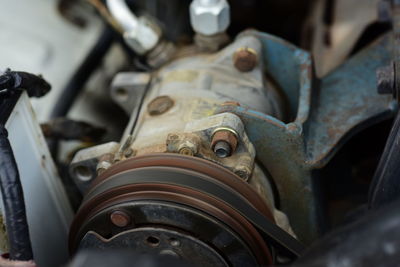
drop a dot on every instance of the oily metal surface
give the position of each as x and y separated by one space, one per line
206 167
133 193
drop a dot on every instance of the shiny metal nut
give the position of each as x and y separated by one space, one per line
210 17
143 38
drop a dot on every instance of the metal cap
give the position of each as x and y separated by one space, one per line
209 17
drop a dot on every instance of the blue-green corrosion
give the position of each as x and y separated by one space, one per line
324 115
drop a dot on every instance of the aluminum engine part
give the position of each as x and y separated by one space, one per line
177 113
196 86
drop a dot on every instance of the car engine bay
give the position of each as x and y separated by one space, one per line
200 133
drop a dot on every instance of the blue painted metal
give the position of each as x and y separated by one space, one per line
326 115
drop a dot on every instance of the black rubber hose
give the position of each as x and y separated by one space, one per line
83 73
13 201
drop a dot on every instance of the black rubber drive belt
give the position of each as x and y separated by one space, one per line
175 176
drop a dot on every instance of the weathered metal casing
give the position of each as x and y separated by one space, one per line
178 114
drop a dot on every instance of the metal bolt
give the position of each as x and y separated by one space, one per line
120 218
186 151
224 143
104 162
209 17
222 149
243 173
245 59
385 80
129 153
208 2
160 105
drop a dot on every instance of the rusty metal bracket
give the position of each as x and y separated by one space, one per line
328 113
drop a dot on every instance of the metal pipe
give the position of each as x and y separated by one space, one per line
123 15
13 201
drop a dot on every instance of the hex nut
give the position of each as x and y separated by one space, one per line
245 59
209 17
144 37
160 105
227 137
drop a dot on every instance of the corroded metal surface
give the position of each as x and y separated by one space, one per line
347 101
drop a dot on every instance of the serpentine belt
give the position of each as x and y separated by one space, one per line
190 179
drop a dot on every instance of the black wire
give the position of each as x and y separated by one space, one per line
13 201
83 73
140 108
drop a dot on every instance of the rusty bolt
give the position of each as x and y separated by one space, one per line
245 59
386 79
186 151
224 143
129 153
160 105
120 218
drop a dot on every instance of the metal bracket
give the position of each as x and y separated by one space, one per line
197 138
327 116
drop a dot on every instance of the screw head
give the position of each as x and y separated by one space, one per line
120 218
245 59
160 105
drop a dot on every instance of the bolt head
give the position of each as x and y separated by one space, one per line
120 218
129 153
210 18
160 105
385 79
222 149
245 59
